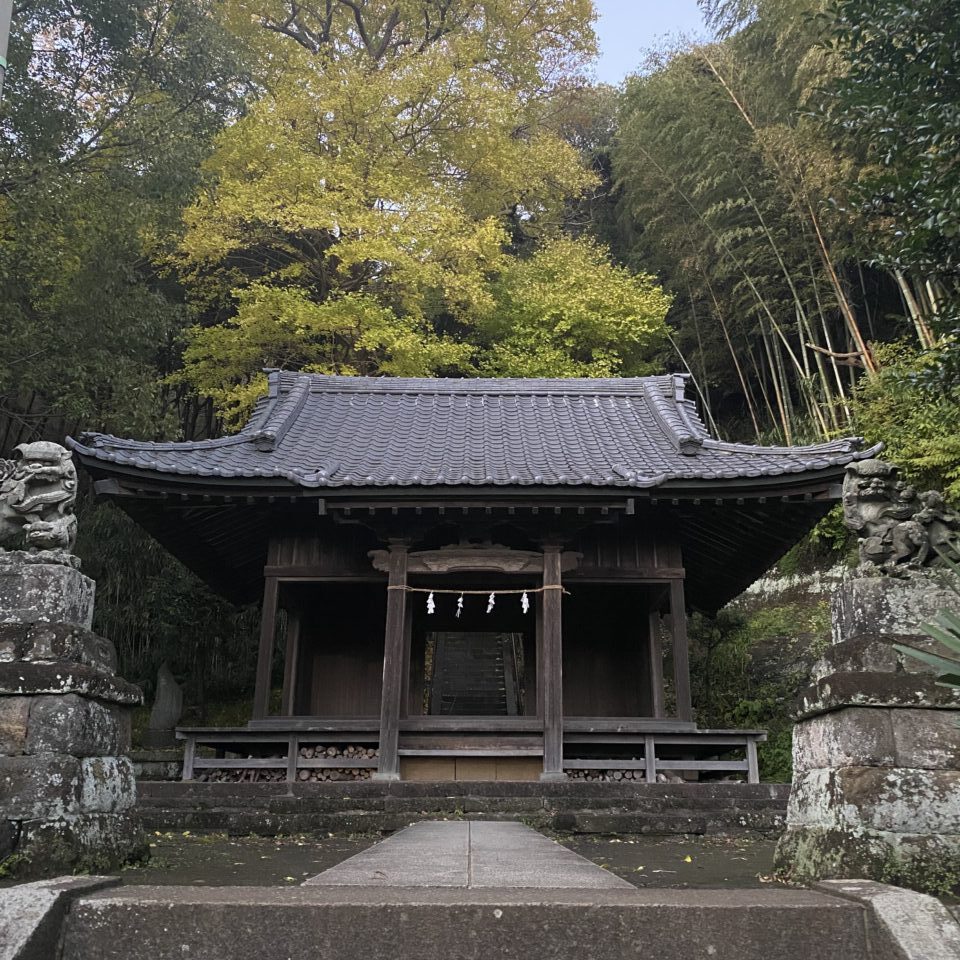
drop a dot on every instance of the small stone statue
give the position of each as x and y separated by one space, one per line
167 708
38 491
899 529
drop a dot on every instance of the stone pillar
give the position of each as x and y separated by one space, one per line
67 790
876 789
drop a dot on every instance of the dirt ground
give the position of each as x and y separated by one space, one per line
680 861
218 860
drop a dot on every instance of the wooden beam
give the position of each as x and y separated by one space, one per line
654 653
681 653
552 703
268 627
291 663
394 667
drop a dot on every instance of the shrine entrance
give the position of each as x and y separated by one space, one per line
474 674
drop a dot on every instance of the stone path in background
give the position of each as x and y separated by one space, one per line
469 855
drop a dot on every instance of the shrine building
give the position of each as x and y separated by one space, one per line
477 579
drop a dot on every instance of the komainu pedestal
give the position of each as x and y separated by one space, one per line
67 791
876 791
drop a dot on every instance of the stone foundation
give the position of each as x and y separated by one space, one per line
876 749
67 787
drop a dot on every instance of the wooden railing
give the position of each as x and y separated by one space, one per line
649 746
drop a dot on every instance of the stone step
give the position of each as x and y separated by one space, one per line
270 809
346 922
454 804
242 822
572 791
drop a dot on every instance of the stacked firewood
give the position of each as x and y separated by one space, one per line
606 775
241 775
352 753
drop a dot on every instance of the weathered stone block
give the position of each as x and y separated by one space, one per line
807 853
889 606
875 690
875 654
894 800
78 726
32 914
44 592
41 786
14 717
158 764
92 841
56 642
107 785
9 837
22 678
855 736
926 738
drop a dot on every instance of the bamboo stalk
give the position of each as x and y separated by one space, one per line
747 392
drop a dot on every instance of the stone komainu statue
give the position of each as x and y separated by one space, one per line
38 491
899 529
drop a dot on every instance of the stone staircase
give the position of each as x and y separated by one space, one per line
474 675
380 808
470 891
346 923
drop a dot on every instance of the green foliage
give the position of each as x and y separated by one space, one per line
108 109
286 327
946 630
746 669
916 421
568 312
895 103
154 609
828 543
897 100
359 211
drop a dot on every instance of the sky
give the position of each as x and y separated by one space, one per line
628 27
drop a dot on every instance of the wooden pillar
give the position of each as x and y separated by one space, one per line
291 663
268 627
394 665
408 684
681 653
538 658
552 684
654 664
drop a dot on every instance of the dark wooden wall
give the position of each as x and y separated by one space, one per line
604 644
635 546
341 648
329 550
638 546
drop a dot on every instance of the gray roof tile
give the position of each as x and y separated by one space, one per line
323 431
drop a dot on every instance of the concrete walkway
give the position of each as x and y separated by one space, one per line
469 855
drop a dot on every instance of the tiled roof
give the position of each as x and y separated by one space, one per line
324 431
